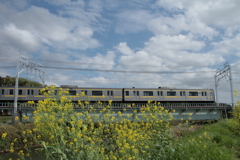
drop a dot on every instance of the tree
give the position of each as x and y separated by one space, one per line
10 81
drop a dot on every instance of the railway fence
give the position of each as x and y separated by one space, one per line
179 111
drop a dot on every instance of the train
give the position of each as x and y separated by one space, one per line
117 95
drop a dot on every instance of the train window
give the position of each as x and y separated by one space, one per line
97 93
109 93
182 93
72 93
30 92
204 93
136 93
147 93
2 91
39 92
193 93
11 91
127 93
171 93
160 93
20 92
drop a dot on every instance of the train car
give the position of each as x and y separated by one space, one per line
95 94
161 94
24 94
77 93
165 94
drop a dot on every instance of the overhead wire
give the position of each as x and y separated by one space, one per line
84 63
124 71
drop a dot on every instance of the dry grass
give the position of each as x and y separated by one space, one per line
185 129
14 131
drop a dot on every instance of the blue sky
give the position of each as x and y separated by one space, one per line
140 35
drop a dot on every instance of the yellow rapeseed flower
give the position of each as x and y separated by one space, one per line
16 118
4 135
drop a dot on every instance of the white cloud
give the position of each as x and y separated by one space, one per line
174 43
56 31
124 49
227 46
166 36
100 81
169 53
180 51
238 54
132 21
178 24
66 2
159 23
222 13
18 38
100 61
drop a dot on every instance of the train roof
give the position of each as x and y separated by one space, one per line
173 89
133 88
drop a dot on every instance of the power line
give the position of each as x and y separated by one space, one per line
7 66
122 71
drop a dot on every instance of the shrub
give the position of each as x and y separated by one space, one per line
91 132
235 121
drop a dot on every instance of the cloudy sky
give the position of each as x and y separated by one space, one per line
123 43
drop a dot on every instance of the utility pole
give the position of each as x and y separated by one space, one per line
30 67
225 72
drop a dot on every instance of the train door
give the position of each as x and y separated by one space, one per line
110 95
182 95
160 95
30 94
136 95
204 95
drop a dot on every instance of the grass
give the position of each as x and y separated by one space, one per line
5 119
199 142
211 141
65 134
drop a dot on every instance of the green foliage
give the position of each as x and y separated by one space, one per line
235 121
66 134
213 142
5 119
10 81
95 133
